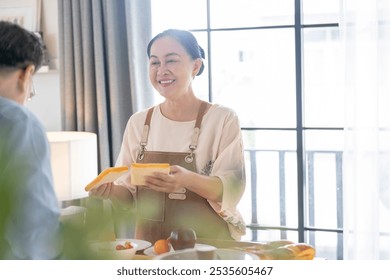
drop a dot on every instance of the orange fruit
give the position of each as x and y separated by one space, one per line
161 246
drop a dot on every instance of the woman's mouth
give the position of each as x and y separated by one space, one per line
166 82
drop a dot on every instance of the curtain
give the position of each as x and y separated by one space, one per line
365 32
103 68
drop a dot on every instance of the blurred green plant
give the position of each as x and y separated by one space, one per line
76 235
5 208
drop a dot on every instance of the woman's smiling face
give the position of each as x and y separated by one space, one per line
171 69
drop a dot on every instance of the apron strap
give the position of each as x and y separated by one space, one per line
195 136
145 134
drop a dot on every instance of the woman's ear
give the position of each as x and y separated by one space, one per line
197 64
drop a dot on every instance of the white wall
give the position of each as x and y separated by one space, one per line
46 105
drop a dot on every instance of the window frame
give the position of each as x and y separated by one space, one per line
305 210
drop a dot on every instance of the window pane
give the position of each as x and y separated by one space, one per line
270 235
269 140
324 99
180 14
249 13
324 178
321 11
314 140
270 160
326 244
253 72
384 244
323 192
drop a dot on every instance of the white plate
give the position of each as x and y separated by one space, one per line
141 244
220 254
150 251
107 250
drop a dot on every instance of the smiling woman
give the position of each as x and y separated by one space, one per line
174 63
200 141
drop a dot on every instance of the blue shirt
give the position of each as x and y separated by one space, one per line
29 211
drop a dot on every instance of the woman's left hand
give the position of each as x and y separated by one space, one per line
172 182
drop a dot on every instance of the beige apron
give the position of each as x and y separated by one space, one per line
159 213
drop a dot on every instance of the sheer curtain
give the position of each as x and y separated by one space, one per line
365 27
103 68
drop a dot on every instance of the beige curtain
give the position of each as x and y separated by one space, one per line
103 66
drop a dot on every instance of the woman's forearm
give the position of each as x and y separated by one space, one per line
121 194
209 187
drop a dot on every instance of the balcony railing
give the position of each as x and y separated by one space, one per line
309 229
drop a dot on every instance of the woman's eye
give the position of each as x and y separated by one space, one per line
153 63
171 61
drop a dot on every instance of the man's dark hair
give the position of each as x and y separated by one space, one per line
19 47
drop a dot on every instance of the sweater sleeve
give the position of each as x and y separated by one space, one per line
229 166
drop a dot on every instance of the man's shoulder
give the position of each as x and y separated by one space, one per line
13 112
17 121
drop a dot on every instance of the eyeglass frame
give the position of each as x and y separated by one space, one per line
32 91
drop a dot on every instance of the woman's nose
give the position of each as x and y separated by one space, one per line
162 69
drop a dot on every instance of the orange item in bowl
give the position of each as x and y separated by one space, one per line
161 246
302 251
106 176
138 171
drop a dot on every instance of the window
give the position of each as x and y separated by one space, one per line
276 64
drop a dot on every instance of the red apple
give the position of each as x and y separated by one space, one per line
183 238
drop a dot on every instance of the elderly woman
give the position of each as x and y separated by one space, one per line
201 141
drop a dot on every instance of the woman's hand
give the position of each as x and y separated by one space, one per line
209 187
172 182
111 191
102 191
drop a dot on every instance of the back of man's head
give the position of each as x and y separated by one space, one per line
19 47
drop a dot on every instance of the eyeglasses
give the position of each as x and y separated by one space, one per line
32 91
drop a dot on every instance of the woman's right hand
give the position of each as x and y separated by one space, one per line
103 191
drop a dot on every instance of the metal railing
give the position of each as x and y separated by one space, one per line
308 216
